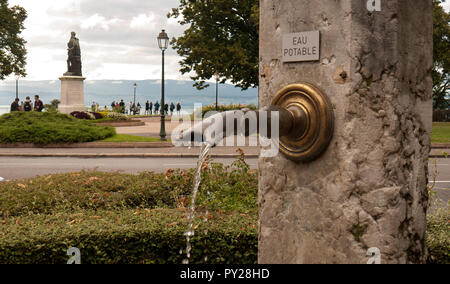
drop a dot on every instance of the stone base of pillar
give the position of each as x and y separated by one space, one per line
70 109
72 94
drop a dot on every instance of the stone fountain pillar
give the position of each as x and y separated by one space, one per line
369 189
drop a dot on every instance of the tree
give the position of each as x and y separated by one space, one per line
222 37
441 39
12 46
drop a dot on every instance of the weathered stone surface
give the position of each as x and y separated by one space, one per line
370 188
72 94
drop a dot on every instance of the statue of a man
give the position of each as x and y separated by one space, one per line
74 60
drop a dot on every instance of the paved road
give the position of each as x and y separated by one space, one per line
17 168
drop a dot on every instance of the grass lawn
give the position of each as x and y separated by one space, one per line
441 132
122 138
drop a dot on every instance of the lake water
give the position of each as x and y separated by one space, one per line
4 109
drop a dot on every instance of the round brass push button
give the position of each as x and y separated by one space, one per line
313 125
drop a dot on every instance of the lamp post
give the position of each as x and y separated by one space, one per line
163 43
217 77
134 101
17 76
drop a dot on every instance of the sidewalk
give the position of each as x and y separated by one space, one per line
144 152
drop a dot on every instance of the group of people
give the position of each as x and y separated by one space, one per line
150 108
28 105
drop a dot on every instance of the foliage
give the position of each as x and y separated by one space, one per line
438 237
49 128
441 69
12 45
83 115
224 108
109 191
117 116
223 37
441 132
118 218
127 236
53 106
441 115
97 115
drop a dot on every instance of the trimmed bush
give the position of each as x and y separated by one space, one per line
128 237
116 218
224 188
49 128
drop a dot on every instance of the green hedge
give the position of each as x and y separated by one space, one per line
224 108
128 237
49 128
119 218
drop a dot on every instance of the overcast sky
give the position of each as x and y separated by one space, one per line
118 37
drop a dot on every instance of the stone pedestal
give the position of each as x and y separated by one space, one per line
370 188
72 94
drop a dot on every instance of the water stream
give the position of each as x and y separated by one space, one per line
204 155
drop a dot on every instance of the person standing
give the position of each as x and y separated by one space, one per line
28 105
151 108
131 108
38 104
122 107
147 108
113 105
15 105
166 108
172 108
178 108
157 105
138 109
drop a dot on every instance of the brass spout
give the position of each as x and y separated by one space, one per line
305 128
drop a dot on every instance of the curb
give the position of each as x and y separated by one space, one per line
91 145
440 146
121 124
141 155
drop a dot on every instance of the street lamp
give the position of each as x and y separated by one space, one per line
217 77
134 101
163 43
17 76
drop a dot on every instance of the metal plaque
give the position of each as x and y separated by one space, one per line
304 46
